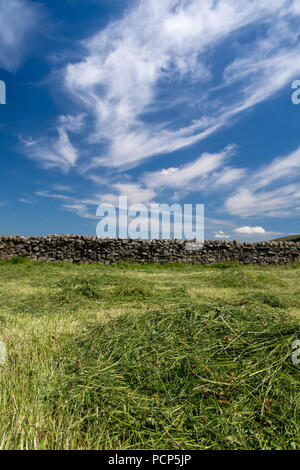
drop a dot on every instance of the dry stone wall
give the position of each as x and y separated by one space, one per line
83 249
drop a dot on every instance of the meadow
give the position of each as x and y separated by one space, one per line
149 357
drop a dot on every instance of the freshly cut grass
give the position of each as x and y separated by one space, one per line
149 357
186 378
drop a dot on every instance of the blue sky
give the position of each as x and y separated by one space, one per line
174 101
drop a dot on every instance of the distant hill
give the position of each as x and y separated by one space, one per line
291 238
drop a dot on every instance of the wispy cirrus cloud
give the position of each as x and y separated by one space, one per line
86 208
282 201
167 44
148 85
19 20
57 151
129 80
80 209
27 199
281 169
208 172
255 195
272 190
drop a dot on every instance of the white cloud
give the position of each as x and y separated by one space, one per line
72 204
18 21
221 235
229 176
278 202
208 173
80 209
256 197
171 45
118 79
197 170
52 195
27 200
135 193
59 151
258 232
250 230
62 187
287 167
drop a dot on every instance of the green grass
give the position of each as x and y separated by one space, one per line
290 238
149 357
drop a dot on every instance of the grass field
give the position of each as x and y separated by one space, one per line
149 357
290 238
